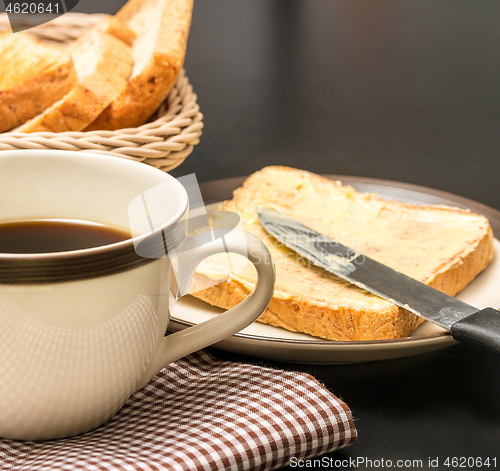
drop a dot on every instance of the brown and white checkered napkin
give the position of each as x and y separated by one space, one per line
203 414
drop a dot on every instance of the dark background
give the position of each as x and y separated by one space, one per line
402 90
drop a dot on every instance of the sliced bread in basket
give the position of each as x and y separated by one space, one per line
103 63
33 76
162 28
440 246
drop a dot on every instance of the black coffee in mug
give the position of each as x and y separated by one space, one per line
56 235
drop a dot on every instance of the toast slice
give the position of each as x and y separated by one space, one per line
103 63
162 28
441 246
33 76
112 25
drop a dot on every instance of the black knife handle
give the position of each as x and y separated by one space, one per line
481 329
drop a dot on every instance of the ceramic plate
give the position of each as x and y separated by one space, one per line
274 343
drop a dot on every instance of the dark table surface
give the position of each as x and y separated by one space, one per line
395 89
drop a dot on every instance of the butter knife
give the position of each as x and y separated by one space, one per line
466 323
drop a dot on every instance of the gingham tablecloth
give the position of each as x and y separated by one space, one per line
202 414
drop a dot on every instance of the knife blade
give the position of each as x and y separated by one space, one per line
466 323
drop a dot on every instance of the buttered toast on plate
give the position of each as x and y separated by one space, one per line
441 246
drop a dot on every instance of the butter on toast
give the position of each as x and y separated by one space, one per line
162 28
103 63
33 76
441 246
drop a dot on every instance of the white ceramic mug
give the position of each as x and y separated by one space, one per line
82 330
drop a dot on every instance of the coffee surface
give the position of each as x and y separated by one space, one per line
57 235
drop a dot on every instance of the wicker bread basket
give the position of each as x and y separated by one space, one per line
164 142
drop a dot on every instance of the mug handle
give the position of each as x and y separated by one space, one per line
184 342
